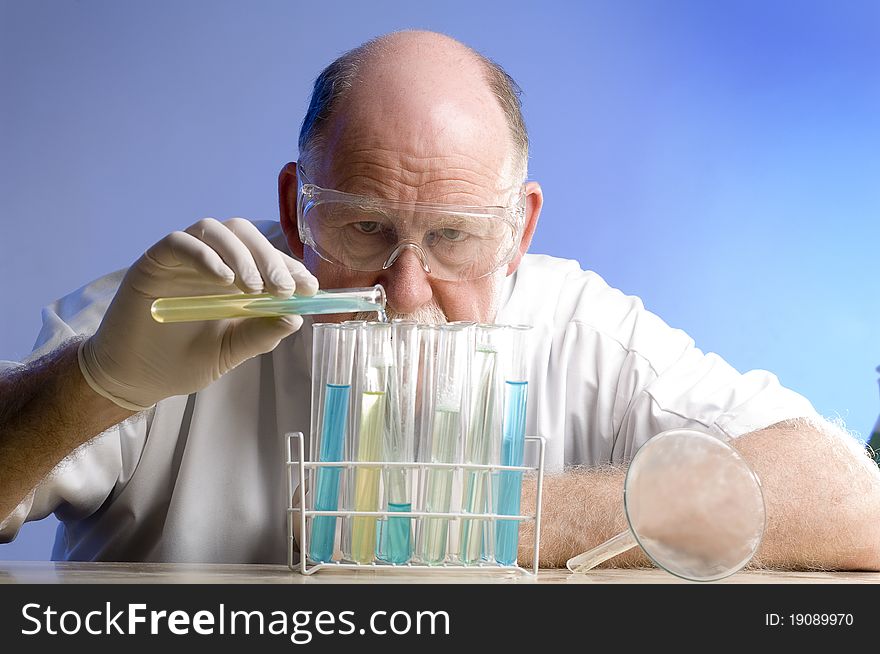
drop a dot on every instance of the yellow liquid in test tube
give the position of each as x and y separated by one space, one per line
366 478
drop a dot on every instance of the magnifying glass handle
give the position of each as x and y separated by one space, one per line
609 549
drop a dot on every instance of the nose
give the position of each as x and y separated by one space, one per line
407 247
406 282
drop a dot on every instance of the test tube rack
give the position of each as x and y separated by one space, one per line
299 511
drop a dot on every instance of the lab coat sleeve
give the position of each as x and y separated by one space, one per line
615 398
609 374
79 485
666 382
708 390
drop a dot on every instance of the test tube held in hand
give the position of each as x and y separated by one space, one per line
516 389
263 305
332 360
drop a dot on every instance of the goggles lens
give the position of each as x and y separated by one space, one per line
368 234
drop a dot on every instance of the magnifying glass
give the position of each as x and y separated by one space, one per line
692 504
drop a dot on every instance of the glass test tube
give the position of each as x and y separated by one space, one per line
333 356
319 376
427 360
354 421
256 305
483 439
445 403
395 544
375 366
516 390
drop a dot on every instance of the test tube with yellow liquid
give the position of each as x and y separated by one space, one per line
375 366
263 305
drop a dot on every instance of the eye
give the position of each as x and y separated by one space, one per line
367 226
453 234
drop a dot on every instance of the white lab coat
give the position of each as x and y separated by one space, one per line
201 478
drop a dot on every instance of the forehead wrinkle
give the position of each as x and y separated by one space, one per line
392 175
372 153
425 139
443 191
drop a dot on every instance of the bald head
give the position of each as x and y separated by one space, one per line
416 95
415 117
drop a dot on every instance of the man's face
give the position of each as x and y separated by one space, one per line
399 137
411 291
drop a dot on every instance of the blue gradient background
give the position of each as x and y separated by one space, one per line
719 159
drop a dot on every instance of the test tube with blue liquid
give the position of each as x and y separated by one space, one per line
483 439
395 544
445 404
319 395
332 361
516 390
375 367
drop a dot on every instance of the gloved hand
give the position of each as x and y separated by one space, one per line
135 362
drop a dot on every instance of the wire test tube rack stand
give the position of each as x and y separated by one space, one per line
295 449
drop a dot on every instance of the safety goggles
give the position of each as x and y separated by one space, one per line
452 243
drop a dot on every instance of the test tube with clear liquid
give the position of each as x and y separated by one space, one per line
395 544
483 439
375 366
516 389
332 361
445 403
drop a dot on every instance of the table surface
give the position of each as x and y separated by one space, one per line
40 572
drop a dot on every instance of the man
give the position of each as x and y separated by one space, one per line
186 464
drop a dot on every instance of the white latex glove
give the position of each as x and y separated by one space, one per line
135 361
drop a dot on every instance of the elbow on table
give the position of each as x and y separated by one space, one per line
867 557
858 543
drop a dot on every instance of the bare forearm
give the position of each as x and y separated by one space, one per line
822 494
821 491
46 411
580 508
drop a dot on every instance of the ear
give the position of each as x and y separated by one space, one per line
534 202
287 207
